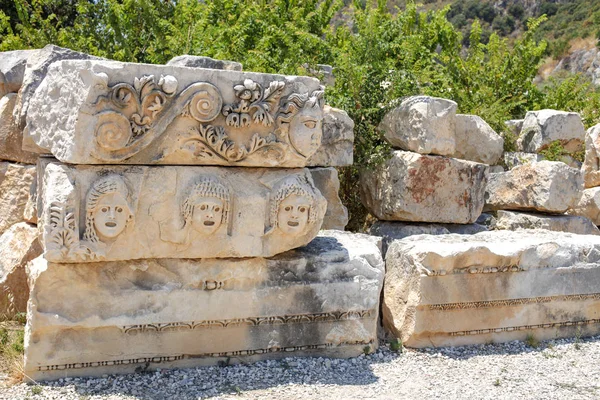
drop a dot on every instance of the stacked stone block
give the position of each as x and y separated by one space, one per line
169 208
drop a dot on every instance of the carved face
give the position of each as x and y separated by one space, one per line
111 215
305 130
208 214
292 217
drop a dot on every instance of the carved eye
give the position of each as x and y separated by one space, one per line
302 209
203 207
288 208
217 209
310 124
104 209
119 210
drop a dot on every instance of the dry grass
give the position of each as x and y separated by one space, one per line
11 351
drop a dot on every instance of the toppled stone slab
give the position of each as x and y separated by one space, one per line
477 141
319 300
113 213
591 164
541 128
11 137
328 183
18 245
422 124
204 62
588 205
12 68
546 186
499 286
510 220
413 187
15 182
104 112
337 144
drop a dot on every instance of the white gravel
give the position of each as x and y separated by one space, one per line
559 369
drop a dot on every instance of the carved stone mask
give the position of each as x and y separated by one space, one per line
292 216
207 215
306 131
111 215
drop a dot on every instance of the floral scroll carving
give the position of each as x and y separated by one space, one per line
256 104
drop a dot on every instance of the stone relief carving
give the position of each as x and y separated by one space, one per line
255 105
63 238
293 206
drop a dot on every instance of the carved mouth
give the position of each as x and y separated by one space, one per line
111 224
293 223
209 223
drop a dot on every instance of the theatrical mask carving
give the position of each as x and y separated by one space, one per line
293 207
206 208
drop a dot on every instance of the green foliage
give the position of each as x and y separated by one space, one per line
396 345
554 151
531 341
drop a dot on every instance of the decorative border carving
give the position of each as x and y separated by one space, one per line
511 302
251 321
524 327
477 270
162 359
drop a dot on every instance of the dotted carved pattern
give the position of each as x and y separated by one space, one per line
511 302
526 327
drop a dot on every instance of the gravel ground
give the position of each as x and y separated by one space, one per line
559 369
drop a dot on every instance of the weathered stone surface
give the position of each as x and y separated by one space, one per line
477 141
422 124
204 62
12 68
499 286
494 169
516 158
588 205
591 164
30 211
326 180
413 187
104 112
337 144
319 300
15 182
93 213
510 220
11 137
38 62
514 125
18 245
543 127
547 186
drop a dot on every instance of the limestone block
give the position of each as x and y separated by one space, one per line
15 182
422 124
30 211
18 245
105 112
413 187
514 125
477 141
588 205
494 169
515 158
546 186
12 68
591 164
326 180
319 300
337 144
112 213
38 62
204 62
510 220
499 286
11 137
540 128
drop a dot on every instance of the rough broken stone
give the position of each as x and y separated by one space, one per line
422 124
15 182
413 187
514 159
541 128
514 125
319 300
326 180
588 205
38 62
11 137
30 211
105 112
510 220
204 62
477 141
18 245
337 144
591 164
546 186
113 213
455 290
12 68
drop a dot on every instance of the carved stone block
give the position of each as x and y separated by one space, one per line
337 144
11 136
105 112
326 180
320 300
93 213
454 290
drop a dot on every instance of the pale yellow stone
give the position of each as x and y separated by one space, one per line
11 137
15 182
